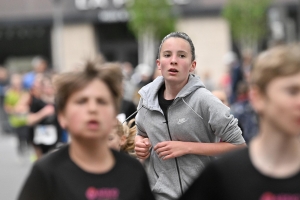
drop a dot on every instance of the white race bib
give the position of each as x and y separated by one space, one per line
45 134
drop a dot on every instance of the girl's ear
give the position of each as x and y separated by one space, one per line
123 140
193 66
158 64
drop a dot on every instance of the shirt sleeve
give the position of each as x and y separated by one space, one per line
35 186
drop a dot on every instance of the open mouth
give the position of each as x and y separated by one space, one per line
93 124
173 70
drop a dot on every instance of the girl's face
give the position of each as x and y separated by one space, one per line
280 106
89 112
175 60
114 141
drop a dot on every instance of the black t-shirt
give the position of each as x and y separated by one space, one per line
163 103
57 177
36 104
235 178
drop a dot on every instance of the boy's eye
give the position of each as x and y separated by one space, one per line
81 101
101 101
293 91
182 56
84 100
166 55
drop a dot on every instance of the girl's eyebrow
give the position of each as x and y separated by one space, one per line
179 51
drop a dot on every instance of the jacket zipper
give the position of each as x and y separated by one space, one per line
176 161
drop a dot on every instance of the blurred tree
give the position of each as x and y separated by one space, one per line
248 21
150 20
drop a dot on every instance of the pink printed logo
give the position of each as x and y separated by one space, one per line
93 193
271 196
267 196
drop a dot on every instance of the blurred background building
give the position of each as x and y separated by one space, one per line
67 31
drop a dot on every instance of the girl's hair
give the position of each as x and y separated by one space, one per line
129 132
276 62
178 35
68 83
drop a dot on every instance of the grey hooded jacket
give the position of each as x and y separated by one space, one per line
194 116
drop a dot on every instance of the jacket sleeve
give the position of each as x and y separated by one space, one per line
222 122
139 120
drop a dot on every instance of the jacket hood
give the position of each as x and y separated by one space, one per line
149 93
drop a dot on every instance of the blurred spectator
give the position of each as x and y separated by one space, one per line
46 131
235 72
225 83
127 70
208 81
39 65
244 112
128 107
4 83
16 106
220 94
142 75
247 59
129 87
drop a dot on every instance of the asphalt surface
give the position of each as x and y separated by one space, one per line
13 167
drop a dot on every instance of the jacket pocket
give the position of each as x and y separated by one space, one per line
167 184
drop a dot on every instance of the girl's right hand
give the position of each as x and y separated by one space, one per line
142 147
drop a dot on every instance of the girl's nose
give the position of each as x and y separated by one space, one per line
173 60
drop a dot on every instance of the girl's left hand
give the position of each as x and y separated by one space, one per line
170 149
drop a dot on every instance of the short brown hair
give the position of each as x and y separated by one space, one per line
68 83
276 62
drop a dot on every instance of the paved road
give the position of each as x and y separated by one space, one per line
13 169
